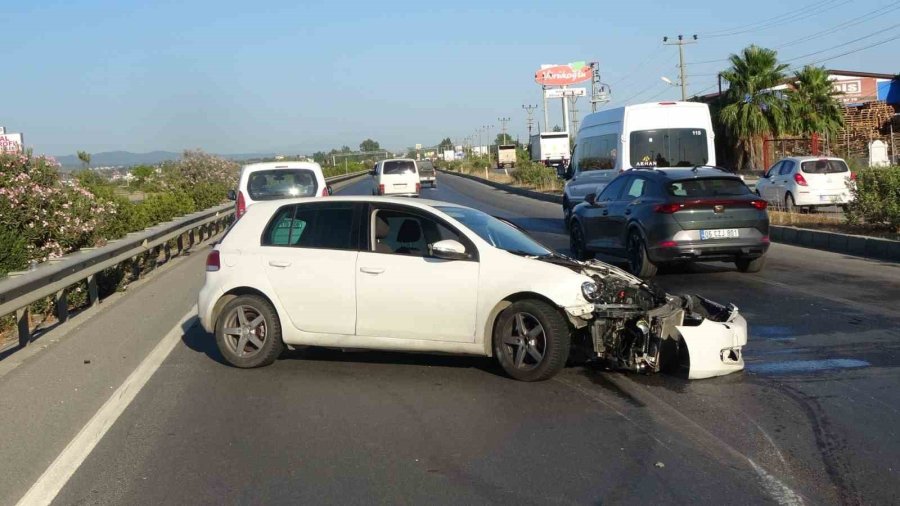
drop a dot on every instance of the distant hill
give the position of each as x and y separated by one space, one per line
127 158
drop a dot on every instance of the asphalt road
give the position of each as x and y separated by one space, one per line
813 419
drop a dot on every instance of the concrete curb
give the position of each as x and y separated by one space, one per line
555 199
856 245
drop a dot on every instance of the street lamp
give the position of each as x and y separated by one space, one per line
667 81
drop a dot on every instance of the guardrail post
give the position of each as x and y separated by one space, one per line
93 292
62 305
167 251
23 321
180 244
136 267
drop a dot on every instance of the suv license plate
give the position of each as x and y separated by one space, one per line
721 233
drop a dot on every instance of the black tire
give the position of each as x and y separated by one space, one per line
434 184
639 263
750 264
539 350
577 242
789 204
266 334
567 213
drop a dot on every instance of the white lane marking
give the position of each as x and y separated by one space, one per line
57 475
777 490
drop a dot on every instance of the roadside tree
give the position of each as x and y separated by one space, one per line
813 104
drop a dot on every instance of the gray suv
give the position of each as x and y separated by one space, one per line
651 217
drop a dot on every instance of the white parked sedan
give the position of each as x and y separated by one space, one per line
806 181
395 274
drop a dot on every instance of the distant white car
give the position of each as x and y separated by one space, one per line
277 180
807 181
410 275
397 177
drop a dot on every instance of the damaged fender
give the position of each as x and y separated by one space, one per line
715 348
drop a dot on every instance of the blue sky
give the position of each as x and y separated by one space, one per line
295 77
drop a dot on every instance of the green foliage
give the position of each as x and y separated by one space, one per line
534 174
162 207
503 138
445 145
876 198
369 145
813 103
751 108
14 253
85 158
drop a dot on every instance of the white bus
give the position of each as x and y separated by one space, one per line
657 134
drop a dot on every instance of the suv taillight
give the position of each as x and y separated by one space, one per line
213 262
800 179
759 204
381 189
668 208
240 205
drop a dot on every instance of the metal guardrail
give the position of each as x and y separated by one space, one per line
56 277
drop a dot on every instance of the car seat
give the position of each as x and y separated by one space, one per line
410 233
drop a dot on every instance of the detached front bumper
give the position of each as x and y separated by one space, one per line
715 348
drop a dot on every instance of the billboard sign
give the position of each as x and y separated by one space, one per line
563 75
11 143
565 92
855 90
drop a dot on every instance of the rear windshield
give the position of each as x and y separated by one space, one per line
824 167
710 187
399 167
281 183
426 166
669 147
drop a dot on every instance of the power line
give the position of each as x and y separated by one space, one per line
862 18
843 44
803 13
855 50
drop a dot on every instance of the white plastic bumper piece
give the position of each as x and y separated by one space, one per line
715 348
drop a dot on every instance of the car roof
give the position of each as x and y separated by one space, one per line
281 165
397 160
272 205
808 158
680 173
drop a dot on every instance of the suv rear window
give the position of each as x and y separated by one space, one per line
426 166
399 167
281 183
709 187
824 167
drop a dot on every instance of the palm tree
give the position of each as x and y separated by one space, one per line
85 158
813 104
752 109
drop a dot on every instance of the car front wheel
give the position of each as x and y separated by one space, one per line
248 332
577 244
531 340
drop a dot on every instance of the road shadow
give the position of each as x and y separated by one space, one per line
319 354
197 339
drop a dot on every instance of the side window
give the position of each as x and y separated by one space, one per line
613 189
774 169
786 168
321 227
637 187
600 153
405 233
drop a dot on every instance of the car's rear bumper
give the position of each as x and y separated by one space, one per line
708 250
835 198
405 194
426 179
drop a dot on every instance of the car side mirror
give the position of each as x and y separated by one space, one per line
373 172
330 190
448 249
591 198
232 195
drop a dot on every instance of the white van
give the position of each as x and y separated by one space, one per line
657 134
278 180
396 177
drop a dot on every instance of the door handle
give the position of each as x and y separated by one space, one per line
279 263
605 212
628 211
371 270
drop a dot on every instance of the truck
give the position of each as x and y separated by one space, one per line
550 148
506 156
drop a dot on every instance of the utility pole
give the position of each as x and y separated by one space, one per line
681 42
530 110
503 122
599 91
574 115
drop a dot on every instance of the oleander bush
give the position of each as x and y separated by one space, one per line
876 198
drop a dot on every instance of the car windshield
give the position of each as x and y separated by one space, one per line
399 167
709 187
281 183
495 232
669 147
824 167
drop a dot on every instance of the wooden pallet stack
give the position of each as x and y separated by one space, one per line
863 124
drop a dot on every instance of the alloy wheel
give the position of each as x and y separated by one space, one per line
245 331
526 343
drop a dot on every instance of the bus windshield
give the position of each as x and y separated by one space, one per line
669 147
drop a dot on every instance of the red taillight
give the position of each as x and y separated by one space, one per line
324 192
800 179
759 204
668 244
240 206
668 208
381 189
212 261
418 187
667 103
765 240
853 176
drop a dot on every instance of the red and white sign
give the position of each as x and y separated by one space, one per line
855 90
11 143
562 75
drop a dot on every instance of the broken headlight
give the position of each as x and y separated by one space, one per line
591 291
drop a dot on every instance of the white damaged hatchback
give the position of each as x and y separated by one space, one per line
419 276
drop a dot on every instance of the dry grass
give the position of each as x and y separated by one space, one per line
830 222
